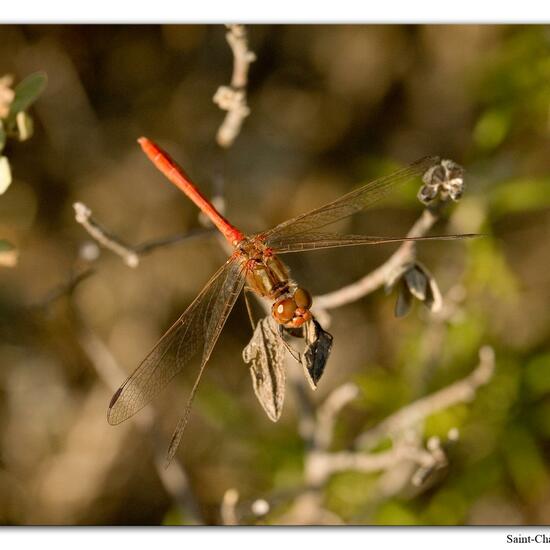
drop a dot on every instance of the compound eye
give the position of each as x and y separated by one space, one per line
283 310
302 298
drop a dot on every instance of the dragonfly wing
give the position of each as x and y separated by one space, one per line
198 328
319 241
349 204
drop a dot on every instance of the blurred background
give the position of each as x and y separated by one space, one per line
331 108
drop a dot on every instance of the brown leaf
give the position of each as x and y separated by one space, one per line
265 352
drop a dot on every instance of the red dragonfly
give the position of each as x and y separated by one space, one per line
254 262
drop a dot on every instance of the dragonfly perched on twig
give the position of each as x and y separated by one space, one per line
255 263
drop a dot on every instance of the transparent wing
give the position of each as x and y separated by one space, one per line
345 206
198 328
319 241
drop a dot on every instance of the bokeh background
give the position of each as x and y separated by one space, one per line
331 107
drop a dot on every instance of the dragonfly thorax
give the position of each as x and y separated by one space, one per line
269 277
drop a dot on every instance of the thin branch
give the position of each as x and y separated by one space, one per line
131 255
83 216
63 289
233 98
462 391
149 246
406 253
320 464
328 411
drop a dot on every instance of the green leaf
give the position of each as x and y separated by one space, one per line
5 174
27 92
8 254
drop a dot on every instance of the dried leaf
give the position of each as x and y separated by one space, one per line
5 174
8 254
265 352
417 282
404 301
316 354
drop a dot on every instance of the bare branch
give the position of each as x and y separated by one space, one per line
327 412
149 246
406 253
131 255
83 216
233 98
462 391
323 465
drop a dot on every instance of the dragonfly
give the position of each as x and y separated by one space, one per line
254 265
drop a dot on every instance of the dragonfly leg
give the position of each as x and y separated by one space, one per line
249 306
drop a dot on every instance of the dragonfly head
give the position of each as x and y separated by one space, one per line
292 311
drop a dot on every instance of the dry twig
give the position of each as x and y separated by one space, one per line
233 98
406 253
131 255
83 216
321 464
460 392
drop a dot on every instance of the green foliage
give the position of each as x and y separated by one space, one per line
526 463
537 376
349 493
26 93
393 512
17 122
492 128
520 195
515 88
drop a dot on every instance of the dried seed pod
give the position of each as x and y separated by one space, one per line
433 300
445 180
417 282
404 301
316 354
396 275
